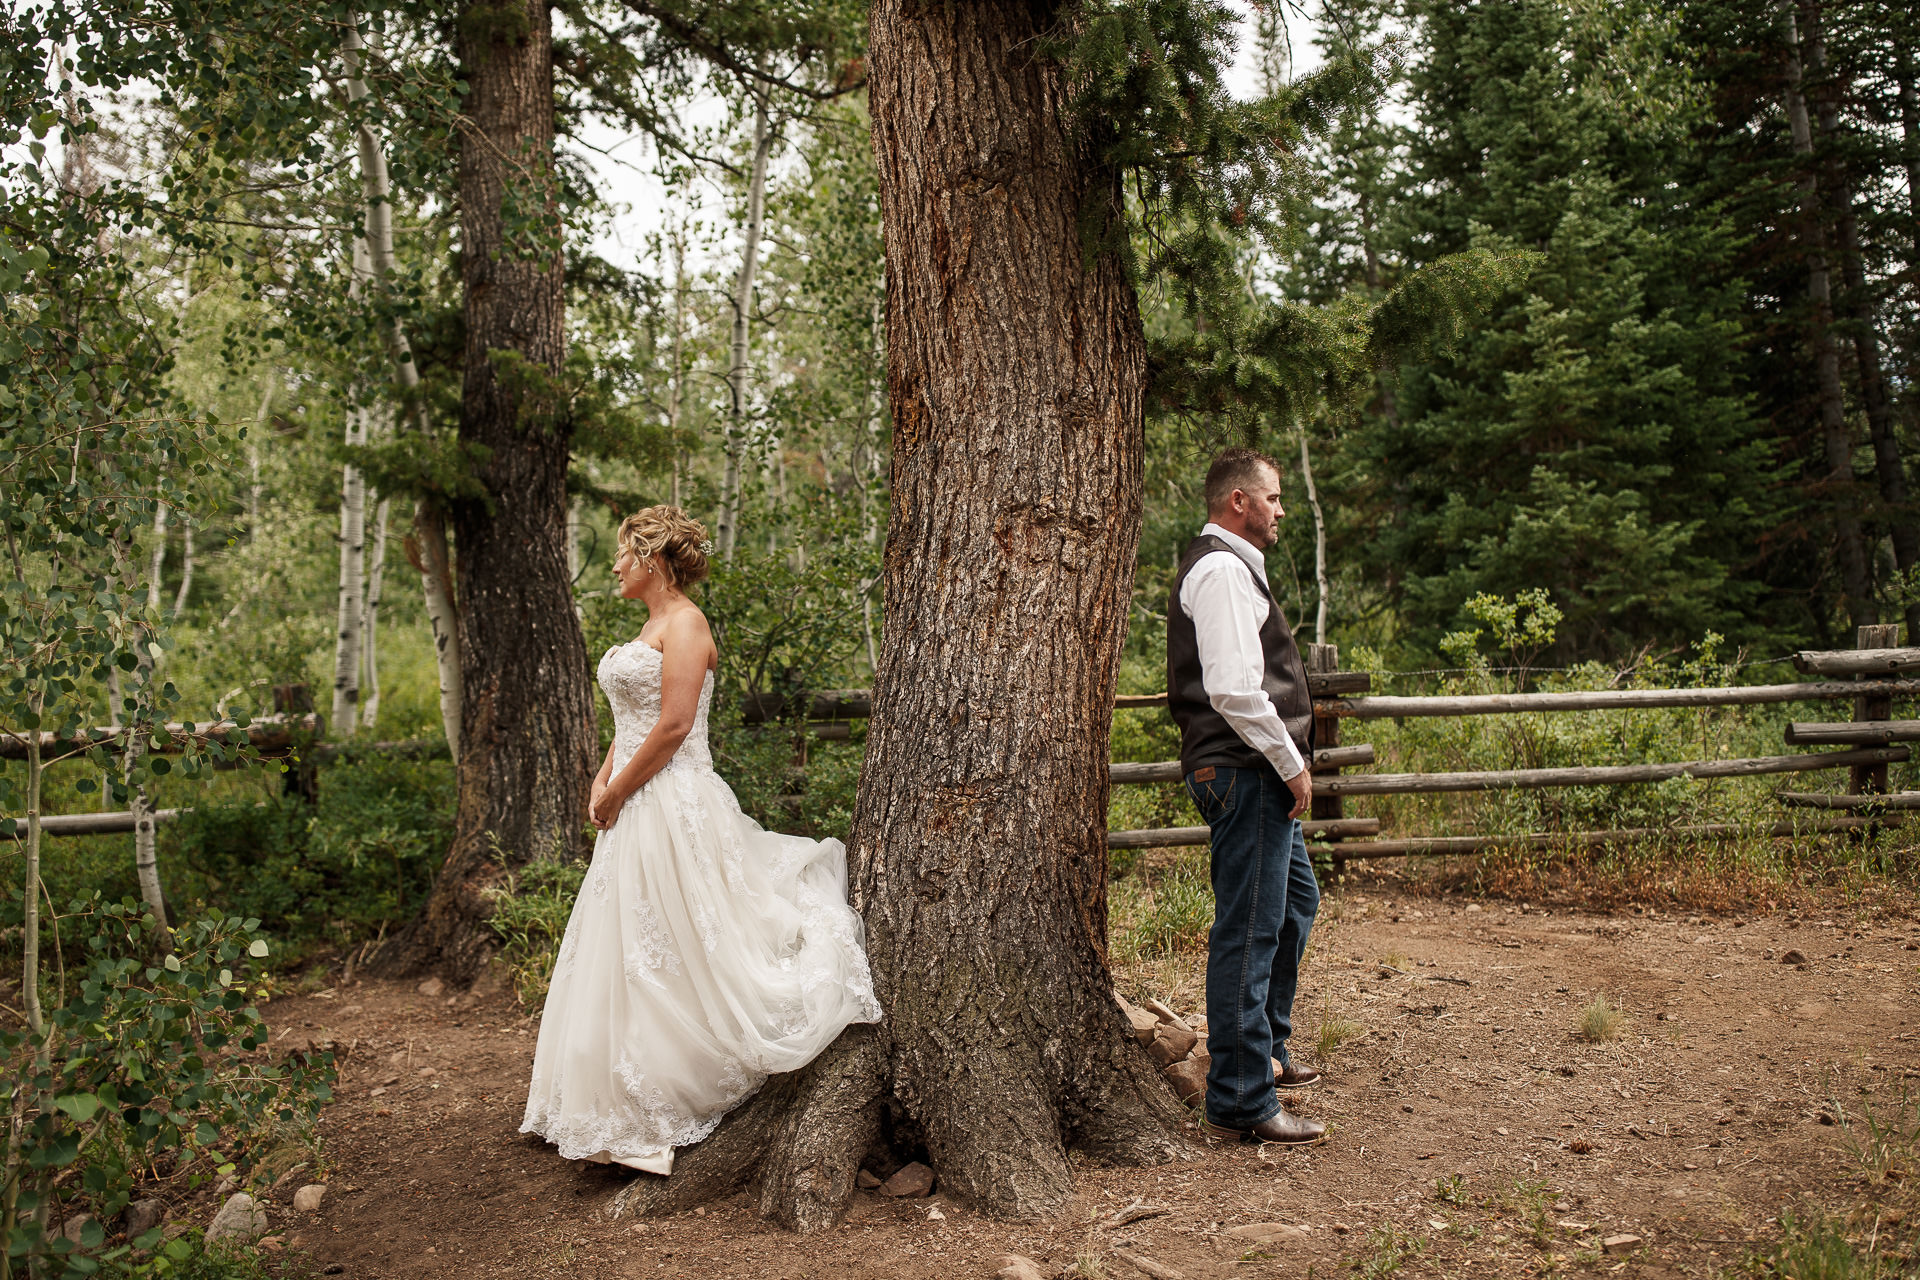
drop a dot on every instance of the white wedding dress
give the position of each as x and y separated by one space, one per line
704 954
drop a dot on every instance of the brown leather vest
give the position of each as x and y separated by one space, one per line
1205 736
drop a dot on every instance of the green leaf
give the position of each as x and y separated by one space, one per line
173 963
258 949
81 1106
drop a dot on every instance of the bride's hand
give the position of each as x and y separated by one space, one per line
604 807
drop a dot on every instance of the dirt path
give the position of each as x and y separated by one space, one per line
1473 1132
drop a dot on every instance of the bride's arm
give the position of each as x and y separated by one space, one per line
600 780
687 651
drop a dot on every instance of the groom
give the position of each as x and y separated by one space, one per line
1238 691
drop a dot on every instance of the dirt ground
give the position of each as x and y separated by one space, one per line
1473 1133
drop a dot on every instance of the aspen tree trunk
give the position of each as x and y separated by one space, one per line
435 561
736 438
1319 542
30 945
254 487
186 566
159 560
527 739
350 614
1016 373
370 626
1836 439
674 389
146 851
1889 470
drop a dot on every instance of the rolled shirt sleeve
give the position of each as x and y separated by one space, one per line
1225 605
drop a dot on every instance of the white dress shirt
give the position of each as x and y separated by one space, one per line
1228 610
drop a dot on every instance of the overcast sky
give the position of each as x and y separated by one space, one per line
645 207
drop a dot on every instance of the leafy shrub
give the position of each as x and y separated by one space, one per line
149 1070
362 857
530 913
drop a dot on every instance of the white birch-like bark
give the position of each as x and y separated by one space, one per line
159 560
1319 542
370 627
429 523
186 566
30 947
350 615
736 435
679 241
254 488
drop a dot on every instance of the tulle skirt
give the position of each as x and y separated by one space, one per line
704 954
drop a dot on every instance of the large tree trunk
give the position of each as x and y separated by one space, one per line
527 732
1836 439
1016 375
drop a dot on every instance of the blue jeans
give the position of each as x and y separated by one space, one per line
1264 902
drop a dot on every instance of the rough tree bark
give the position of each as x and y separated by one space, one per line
1016 377
527 729
1836 438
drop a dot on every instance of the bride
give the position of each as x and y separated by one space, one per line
704 953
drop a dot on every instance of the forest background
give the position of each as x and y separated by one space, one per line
1677 434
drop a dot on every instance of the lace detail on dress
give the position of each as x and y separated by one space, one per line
630 673
653 949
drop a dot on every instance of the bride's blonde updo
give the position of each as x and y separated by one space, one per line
669 538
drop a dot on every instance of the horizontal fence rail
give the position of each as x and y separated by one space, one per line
1482 704
1441 846
90 824
1174 837
1852 732
1173 771
275 732
1855 662
1606 775
1815 800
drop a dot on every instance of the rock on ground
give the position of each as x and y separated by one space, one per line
913 1180
1015 1266
309 1198
240 1218
143 1216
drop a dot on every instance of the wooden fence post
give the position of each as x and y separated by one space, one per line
1872 778
302 778
1323 659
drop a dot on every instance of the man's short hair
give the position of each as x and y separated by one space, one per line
1235 469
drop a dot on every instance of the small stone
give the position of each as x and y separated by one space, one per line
429 1071
866 1181
272 1244
1171 1045
226 1186
1017 1266
1622 1243
1473 907
1268 1232
143 1216
1568 1224
1794 956
1189 1080
309 1198
1341 1228
376 1093
1166 1015
1501 1132
241 1218
934 1214
912 1181
75 1227
1143 1023
431 988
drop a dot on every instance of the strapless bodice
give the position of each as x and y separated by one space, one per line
630 674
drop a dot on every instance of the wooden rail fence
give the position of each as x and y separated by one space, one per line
1869 741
